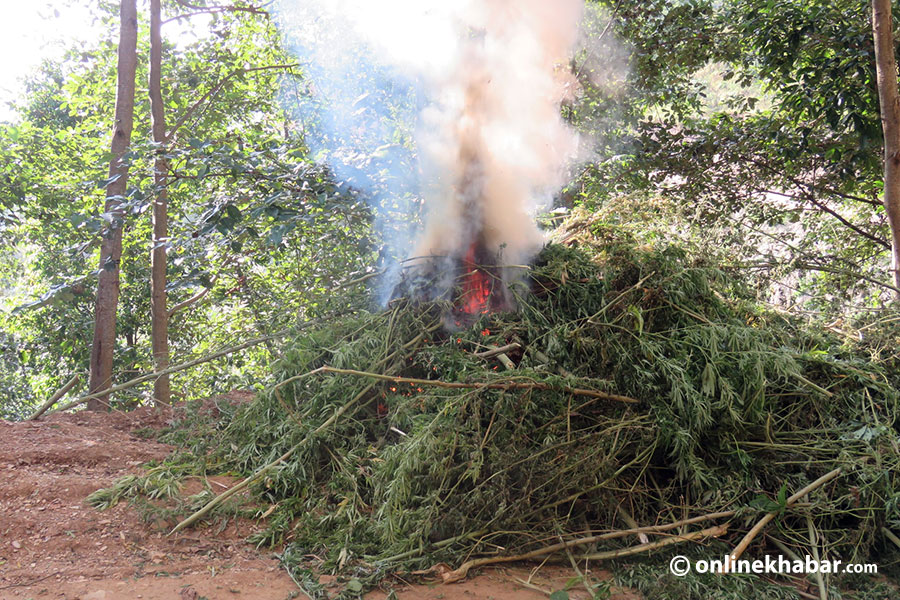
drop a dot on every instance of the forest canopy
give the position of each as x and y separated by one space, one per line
746 131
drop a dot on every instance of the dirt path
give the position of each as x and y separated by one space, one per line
54 546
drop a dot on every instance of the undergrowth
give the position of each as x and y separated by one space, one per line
734 405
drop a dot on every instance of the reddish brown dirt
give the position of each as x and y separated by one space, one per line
54 546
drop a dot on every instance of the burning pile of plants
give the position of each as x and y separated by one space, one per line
632 387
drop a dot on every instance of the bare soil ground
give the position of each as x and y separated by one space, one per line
54 546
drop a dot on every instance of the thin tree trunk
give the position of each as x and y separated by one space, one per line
158 311
111 244
886 65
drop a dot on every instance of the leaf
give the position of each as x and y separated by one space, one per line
866 433
636 313
559 595
233 212
77 220
275 236
354 585
764 504
708 380
782 497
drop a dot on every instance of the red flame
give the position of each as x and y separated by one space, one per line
475 294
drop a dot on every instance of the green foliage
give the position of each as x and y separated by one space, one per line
818 57
738 405
742 184
14 382
790 185
158 496
669 41
735 403
652 578
252 219
160 482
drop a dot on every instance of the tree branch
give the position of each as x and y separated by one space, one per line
835 271
807 185
186 303
204 10
860 231
176 368
463 570
215 90
807 196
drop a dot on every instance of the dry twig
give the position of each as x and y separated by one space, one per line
189 364
495 351
742 546
506 385
175 369
459 574
53 400
891 536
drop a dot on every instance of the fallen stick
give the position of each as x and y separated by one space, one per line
508 385
579 541
495 351
53 399
187 365
630 522
891 536
546 360
461 573
814 546
506 361
675 539
768 518
795 557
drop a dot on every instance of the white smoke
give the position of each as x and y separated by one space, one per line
452 103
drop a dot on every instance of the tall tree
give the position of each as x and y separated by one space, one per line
111 245
158 311
886 65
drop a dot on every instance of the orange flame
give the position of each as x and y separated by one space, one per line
475 295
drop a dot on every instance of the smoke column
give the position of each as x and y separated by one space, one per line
454 105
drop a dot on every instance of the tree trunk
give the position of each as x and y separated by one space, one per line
886 65
158 311
111 244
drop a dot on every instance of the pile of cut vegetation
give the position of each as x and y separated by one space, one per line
635 400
